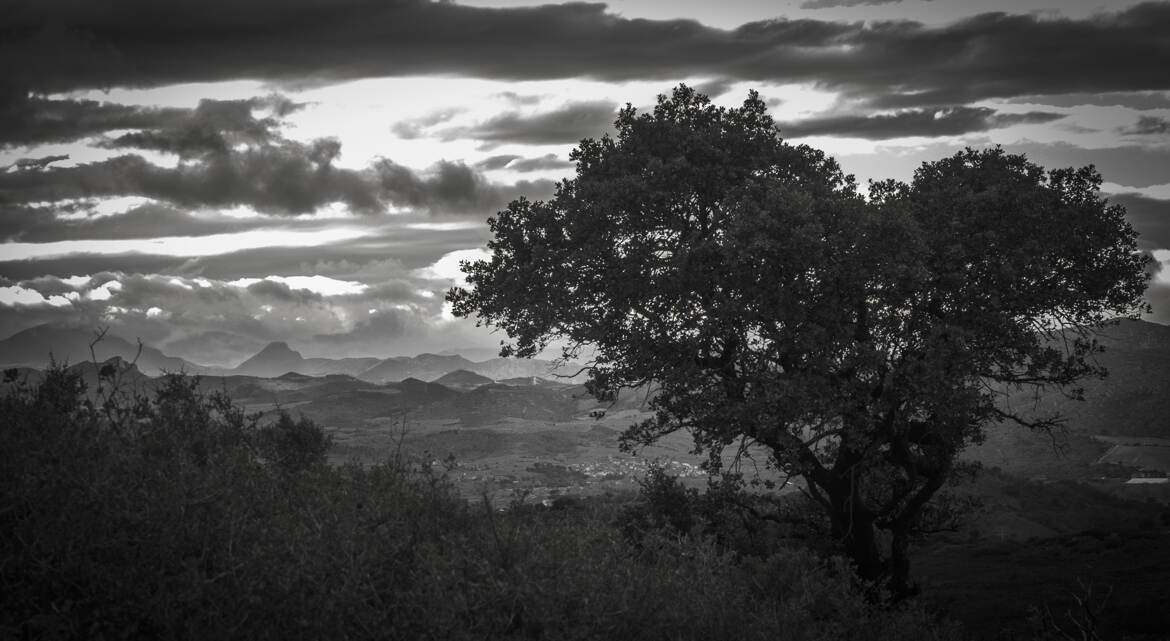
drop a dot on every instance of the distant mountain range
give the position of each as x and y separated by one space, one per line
1133 400
357 393
35 347
278 358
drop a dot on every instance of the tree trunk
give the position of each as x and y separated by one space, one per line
853 526
899 565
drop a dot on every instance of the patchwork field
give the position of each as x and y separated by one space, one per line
1140 452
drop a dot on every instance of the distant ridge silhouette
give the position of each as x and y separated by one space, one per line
69 344
275 359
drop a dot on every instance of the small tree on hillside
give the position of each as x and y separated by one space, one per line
863 342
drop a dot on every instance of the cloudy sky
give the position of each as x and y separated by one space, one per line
210 176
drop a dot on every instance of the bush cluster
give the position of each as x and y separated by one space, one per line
741 521
179 516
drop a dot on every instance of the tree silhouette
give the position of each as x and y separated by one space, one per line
862 342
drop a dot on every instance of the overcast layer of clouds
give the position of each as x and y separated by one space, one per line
236 159
26 120
62 45
152 220
568 124
950 121
1149 126
825 4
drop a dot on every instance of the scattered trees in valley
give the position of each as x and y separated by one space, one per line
862 341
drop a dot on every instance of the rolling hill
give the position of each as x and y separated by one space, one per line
463 379
1133 400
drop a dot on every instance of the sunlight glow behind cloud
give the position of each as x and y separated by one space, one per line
447 267
322 285
212 245
16 295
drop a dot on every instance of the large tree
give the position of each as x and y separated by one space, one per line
861 341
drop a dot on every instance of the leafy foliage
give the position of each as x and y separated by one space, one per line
293 444
863 342
728 511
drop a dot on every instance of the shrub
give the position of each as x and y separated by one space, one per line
293 444
750 524
663 503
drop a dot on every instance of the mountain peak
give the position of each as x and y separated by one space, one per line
278 347
275 359
463 379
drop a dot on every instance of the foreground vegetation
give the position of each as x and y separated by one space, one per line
179 516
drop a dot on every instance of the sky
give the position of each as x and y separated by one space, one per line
211 176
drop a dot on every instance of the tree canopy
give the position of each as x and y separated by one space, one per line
861 341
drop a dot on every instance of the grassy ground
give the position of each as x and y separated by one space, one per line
998 589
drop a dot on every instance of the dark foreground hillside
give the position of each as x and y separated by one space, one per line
180 517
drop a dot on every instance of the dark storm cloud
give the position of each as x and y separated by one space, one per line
950 121
1148 126
152 220
35 164
568 124
540 163
213 127
87 263
284 178
379 327
411 129
451 185
143 291
522 164
1131 99
496 162
451 188
1150 217
63 45
1002 55
261 261
520 99
26 120
278 177
215 347
826 4
56 46
278 291
47 285
715 88
397 290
